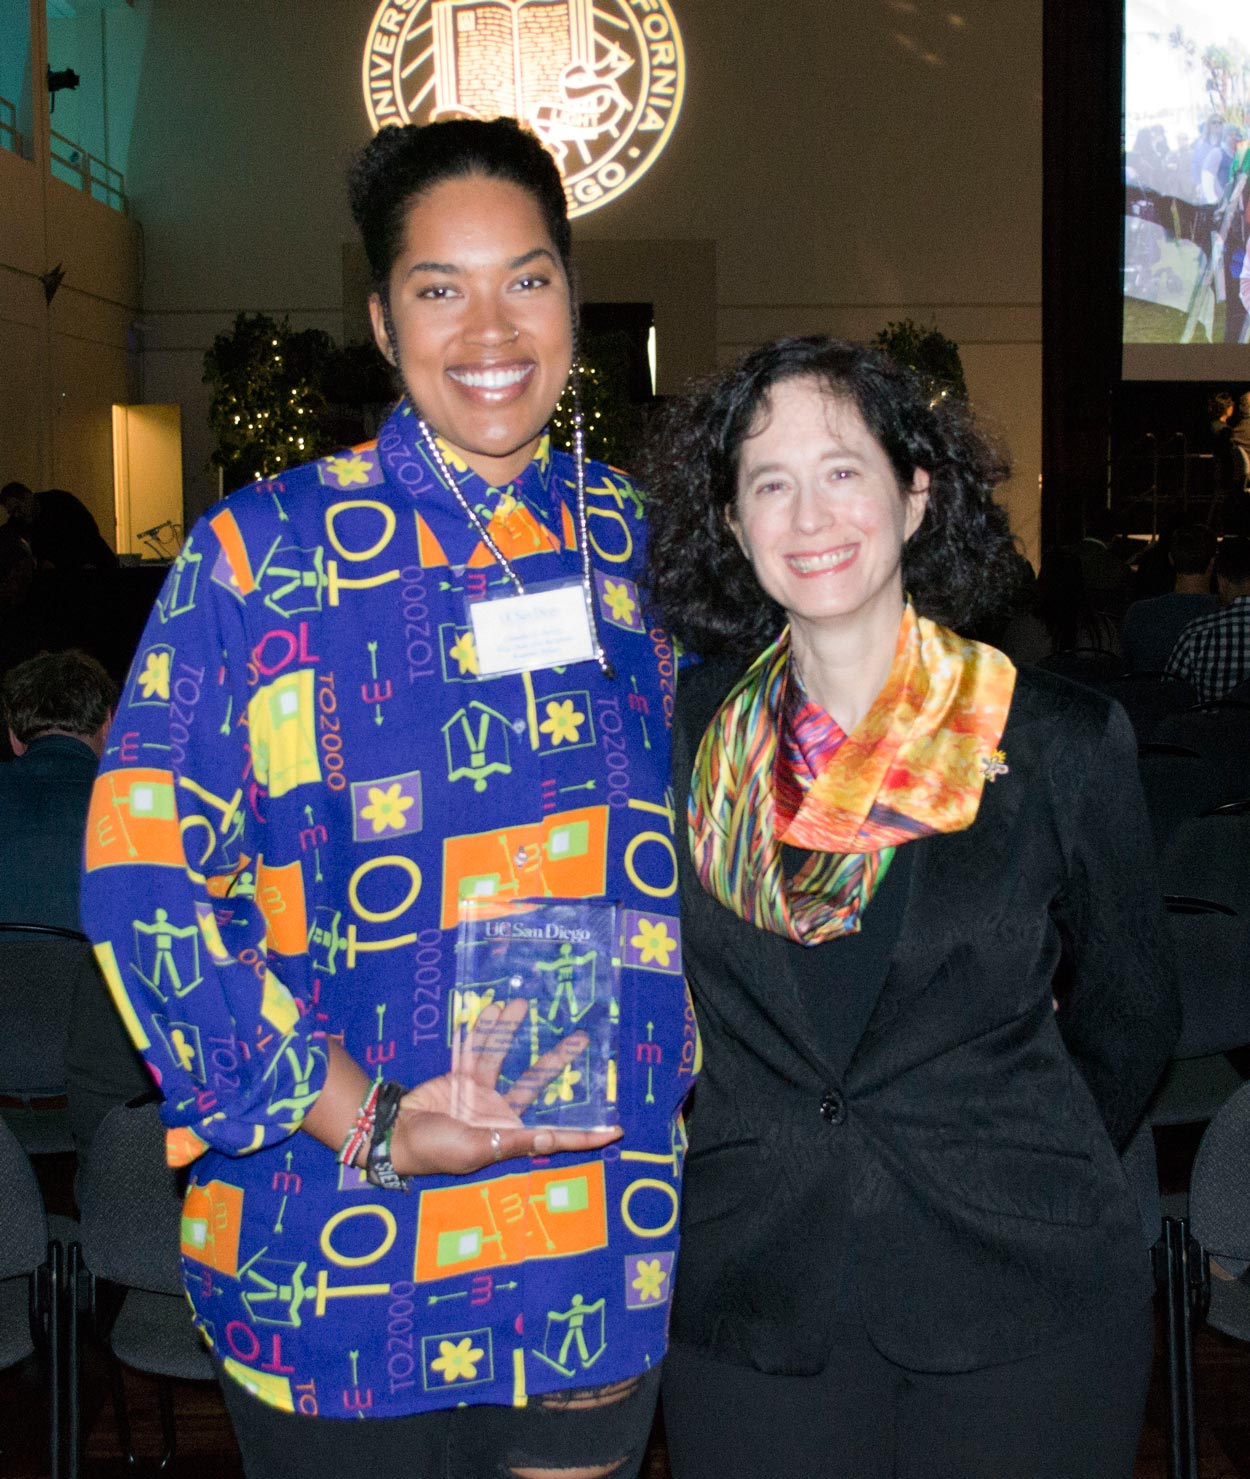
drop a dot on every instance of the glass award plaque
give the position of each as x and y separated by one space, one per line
536 1011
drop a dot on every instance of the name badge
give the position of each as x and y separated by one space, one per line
547 627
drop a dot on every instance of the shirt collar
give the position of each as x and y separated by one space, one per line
535 487
65 744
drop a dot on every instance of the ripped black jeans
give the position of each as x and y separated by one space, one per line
591 1433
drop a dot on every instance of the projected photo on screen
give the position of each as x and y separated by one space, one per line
1186 188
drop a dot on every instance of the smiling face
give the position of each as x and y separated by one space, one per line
482 312
820 514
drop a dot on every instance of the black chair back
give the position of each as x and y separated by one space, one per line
1219 1211
1149 698
1178 785
24 1245
31 1271
1220 733
1205 873
130 1204
125 1274
38 969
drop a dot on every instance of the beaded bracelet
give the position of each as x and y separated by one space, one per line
379 1169
361 1133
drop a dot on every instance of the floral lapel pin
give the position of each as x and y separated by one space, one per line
994 765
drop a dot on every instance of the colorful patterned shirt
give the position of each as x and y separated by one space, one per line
305 775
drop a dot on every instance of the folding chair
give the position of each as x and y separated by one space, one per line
125 1274
1149 698
1213 1229
1179 784
1220 733
1205 872
38 968
31 1269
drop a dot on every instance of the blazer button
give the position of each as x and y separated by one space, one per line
833 1107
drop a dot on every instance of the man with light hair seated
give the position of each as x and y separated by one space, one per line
57 709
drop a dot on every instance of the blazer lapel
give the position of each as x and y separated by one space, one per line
959 882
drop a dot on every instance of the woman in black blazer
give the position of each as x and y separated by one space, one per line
927 954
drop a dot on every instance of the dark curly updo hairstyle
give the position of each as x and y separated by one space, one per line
959 567
399 164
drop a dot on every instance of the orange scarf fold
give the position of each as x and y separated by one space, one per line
916 764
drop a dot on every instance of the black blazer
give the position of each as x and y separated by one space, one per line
962 1162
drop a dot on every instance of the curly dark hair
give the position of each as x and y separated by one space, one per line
959 567
399 164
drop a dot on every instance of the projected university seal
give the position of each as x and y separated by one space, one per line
599 81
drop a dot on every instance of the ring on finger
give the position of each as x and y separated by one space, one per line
496 1144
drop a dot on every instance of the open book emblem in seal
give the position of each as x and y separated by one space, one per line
599 81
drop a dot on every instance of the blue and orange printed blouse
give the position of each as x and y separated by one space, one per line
305 775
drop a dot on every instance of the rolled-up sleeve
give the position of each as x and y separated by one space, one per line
169 880
1121 1012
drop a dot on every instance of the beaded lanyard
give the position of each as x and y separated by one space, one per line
430 442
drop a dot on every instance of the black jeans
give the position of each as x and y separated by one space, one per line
556 1432
1071 1412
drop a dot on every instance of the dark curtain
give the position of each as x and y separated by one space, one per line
1082 231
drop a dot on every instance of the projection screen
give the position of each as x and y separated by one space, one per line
1186 190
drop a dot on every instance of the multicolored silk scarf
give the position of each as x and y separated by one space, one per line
774 769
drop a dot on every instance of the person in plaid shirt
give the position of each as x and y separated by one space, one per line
1213 652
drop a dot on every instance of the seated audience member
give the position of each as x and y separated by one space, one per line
1152 627
1104 572
57 710
1236 514
1240 432
1213 652
1228 465
60 529
17 637
1220 406
1074 621
1151 570
1021 634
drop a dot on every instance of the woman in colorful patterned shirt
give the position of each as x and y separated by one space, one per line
909 1245
433 1185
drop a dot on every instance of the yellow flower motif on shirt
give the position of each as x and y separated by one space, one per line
561 1088
650 1280
620 602
562 721
348 471
465 653
386 808
457 1361
154 679
452 458
654 942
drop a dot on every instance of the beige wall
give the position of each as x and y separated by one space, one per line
838 163
147 463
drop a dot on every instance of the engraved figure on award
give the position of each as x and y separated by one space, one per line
561 958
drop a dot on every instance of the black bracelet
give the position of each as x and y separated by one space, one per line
379 1170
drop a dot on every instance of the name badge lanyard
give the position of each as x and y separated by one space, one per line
583 533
